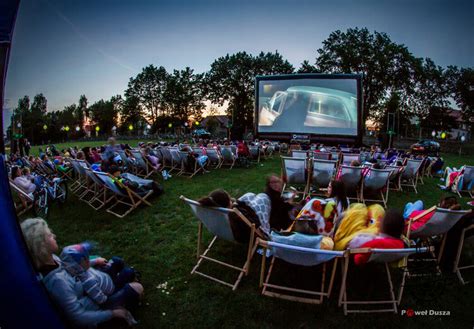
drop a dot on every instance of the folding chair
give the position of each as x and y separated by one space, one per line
255 153
384 256
177 162
167 158
99 197
376 180
298 256
80 186
352 179
126 163
347 158
395 177
462 242
439 224
130 198
215 159
410 174
294 172
467 181
216 221
321 174
299 154
322 156
187 168
144 168
26 201
228 157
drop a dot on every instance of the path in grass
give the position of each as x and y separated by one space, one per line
160 242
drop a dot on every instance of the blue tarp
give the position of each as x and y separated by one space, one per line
24 301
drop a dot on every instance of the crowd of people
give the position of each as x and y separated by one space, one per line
90 289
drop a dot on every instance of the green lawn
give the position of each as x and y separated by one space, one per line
160 242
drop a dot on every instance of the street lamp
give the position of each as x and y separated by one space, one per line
97 128
463 139
78 128
45 127
443 135
433 133
114 129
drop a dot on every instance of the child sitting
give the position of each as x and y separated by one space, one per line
136 184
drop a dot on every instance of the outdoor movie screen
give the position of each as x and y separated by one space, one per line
309 105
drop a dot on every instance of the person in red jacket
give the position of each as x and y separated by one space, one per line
389 237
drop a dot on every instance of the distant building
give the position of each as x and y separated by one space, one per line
464 128
217 125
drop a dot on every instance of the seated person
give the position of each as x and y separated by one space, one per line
136 184
25 182
152 158
280 218
240 230
200 159
61 166
354 221
67 292
391 230
416 209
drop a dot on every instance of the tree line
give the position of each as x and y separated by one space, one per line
394 81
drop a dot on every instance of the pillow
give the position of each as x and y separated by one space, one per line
298 239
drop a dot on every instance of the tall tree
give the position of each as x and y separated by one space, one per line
104 114
232 79
184 94
461 85
374 55
149 87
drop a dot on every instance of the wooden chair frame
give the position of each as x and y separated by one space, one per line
412 181
228 162
130 199
26 202
311 175
383 195
283 292
284 175
252 245
394 301
457 269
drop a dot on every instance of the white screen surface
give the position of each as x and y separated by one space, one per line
308 106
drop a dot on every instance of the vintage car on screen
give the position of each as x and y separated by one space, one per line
313 106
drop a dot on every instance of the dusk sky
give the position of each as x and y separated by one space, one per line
67 48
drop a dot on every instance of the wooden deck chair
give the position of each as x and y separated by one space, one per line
80 187
269 151
100 193
166 158
26 201
467 181
216 221
187 168
376 180
384 256
215 159
294 172
364 157
298 256
439 224
144 167
410 174
228 157
336 155
299 154
130 198
394 181
322 171
254 153
347 158
177 162
284 148
352 179
462 242
322 156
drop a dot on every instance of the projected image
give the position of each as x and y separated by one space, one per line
308 108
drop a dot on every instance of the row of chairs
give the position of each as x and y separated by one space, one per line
98 190
216 221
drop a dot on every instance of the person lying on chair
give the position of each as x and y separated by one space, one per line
134 183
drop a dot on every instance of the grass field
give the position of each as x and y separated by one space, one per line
160 242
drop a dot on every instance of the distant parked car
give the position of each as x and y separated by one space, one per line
428 147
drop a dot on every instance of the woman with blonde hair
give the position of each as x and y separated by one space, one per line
67 292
